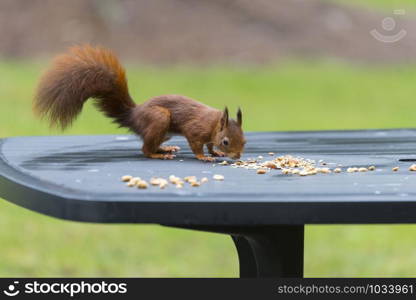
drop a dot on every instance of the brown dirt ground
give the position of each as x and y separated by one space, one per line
176 31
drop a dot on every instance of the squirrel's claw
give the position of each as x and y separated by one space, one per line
169 149
205 158
217 153
162 156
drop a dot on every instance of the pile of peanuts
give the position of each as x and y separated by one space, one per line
288 164
163 183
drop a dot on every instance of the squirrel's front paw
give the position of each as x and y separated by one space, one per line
217 153
205 158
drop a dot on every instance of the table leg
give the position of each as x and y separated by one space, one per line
270 251
265 251
246 259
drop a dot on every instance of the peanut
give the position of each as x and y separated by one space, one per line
126 178
163 183
218 177
270 165
134 180
325 170
131 184
142 184
261 171
173 179
312 172
154 181
190 178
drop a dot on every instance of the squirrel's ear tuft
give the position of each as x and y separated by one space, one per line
224 118
239 117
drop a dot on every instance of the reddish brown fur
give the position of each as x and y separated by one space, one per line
86 72
82 73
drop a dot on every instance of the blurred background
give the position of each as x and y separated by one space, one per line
290 64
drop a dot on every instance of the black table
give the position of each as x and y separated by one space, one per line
78 178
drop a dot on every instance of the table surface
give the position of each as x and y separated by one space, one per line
78 178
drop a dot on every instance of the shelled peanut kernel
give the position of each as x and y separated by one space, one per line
190 178
154 181
173 179
270 165
163 183
261 171
131 184
126 178
325 170
218 177
142 184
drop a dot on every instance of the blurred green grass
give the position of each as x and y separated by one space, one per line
288 96
382 5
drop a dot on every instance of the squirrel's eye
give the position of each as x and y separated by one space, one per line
225 142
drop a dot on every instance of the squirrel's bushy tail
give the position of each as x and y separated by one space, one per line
82 73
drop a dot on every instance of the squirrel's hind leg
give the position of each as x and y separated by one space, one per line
155 133
152 149
168 149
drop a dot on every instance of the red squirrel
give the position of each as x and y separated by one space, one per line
94 72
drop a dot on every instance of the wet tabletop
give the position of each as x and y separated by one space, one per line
78 178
